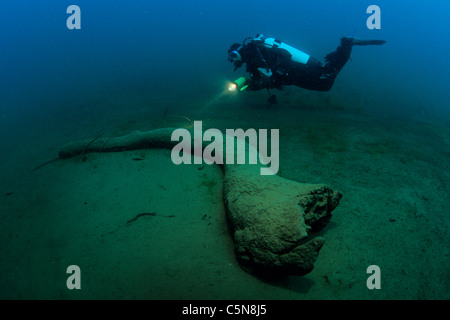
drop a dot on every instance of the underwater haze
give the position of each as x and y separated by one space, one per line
381 136
181 46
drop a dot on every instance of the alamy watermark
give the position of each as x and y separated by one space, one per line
74 280
374 280
374 21
236 147
74 20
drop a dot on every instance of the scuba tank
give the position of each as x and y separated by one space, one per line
297 55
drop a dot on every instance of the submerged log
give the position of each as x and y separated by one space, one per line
271 217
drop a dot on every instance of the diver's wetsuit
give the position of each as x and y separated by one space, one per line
284 71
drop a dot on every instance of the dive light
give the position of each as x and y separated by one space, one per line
238 84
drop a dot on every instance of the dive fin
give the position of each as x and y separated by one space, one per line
361 42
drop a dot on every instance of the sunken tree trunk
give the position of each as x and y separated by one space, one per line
271 217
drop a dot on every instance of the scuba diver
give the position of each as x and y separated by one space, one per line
272 64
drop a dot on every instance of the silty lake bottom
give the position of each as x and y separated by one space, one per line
391 167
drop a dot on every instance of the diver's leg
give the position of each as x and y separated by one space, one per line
336 60
312 76
316 76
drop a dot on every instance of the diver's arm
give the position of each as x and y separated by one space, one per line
262 74
253 85
257 81
263 79
282 61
